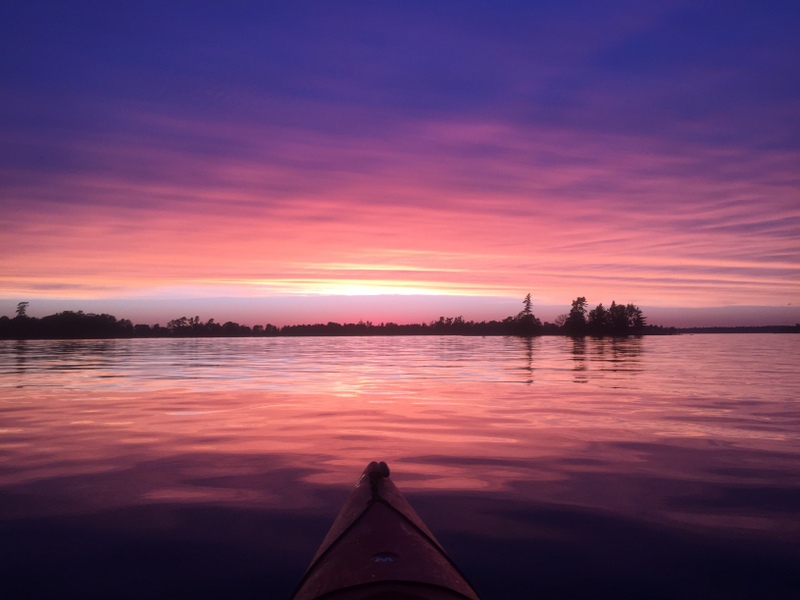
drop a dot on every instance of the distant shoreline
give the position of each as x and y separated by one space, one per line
404 331
742 329
616 321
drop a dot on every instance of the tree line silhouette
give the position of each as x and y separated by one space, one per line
617 320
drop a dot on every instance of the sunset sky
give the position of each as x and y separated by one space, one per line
292 162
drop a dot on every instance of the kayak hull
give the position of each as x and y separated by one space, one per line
378 547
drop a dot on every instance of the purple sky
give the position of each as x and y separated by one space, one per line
295 161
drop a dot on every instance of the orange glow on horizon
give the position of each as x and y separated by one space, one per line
418 223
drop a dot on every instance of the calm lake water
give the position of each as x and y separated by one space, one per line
660 467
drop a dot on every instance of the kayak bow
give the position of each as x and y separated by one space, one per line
379 548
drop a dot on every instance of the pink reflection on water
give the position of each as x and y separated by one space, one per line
514 426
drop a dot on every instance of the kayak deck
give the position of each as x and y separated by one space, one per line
378 547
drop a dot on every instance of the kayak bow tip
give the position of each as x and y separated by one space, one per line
377 470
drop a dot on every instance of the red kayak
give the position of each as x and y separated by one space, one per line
379 549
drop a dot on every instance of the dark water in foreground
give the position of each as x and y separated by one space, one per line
663 467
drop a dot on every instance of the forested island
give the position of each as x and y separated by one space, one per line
618 320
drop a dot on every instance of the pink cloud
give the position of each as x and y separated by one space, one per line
442 207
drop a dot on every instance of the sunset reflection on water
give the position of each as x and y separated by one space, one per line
672 433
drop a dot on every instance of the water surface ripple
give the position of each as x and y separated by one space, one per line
551 467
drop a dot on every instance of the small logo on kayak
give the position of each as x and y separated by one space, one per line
383 557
